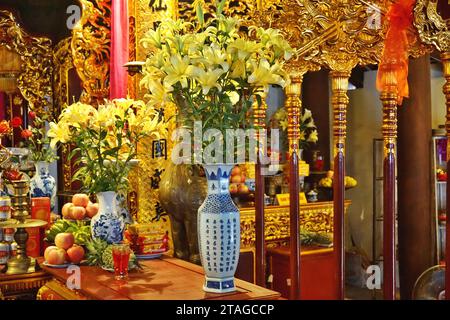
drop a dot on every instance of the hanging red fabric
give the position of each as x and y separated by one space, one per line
119 49
395 52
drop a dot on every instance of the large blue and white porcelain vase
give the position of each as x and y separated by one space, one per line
219 231
107 224
43 184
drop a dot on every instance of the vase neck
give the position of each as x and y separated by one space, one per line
42 168
218 177
107 199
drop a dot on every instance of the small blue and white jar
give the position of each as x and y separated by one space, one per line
219 231
43 184
107 224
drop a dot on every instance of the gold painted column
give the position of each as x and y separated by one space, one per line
389 100
260 250
293 107
339 100
446 89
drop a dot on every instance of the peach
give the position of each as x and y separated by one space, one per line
233 189
91 209
80 200
236 171
64 240
76 254
47 251
77 213
243 188
66 210
56 256
236 179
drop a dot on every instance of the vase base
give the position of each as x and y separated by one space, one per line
215 285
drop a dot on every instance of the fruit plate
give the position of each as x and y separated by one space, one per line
148 256
59 266
108 269
82 220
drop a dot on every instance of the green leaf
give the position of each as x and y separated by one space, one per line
200 14
220 7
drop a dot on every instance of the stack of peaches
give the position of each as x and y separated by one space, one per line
237 182
64 251
80 208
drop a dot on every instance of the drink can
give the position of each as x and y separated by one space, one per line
8 235
5 208
13 249
4 252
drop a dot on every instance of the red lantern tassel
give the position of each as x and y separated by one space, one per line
395 53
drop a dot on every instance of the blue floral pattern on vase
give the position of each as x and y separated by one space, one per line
43 184
219 231
122 207
107 224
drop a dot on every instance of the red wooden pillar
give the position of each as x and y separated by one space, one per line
446 64
260 250
339 100
389 100
293 106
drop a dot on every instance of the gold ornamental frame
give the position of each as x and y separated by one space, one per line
63 63
35 79
91 38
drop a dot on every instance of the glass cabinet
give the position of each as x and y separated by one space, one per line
439 189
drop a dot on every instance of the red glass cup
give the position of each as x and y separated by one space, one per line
121 257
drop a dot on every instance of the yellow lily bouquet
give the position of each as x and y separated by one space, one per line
105 139
211 70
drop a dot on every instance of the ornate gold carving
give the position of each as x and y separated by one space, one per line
17 285
56 288
389 100
294 110
62 62
91 39
313 218
432 28
339 101
446 89
35 79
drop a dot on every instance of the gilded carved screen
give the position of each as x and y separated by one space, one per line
35 78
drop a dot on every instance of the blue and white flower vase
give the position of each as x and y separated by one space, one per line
219 231
43 184
122 207
107 224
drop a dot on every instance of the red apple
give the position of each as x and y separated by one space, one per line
80 200
64 240
56 256
66 210
77 213
76 254
91 209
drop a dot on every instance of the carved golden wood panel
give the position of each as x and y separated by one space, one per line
316 217
91 39
35 79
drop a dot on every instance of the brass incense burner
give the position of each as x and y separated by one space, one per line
20 207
